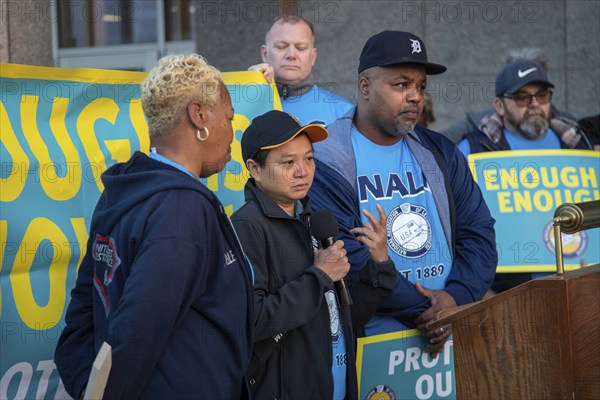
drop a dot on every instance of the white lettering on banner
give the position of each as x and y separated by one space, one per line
46 366
425 386
24 372
412 356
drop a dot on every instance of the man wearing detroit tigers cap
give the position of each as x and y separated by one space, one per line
440 234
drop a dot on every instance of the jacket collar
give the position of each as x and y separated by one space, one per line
566 129
336 151
286 91
269 207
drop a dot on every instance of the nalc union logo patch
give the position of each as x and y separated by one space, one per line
409 230
381 392
573 245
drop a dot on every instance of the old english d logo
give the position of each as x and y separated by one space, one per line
416 46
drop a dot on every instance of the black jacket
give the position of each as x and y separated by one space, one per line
292 352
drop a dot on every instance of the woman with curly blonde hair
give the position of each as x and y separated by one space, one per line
164 280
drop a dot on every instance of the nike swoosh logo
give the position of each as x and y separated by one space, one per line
523 74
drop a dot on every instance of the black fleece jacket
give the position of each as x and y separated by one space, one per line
292 352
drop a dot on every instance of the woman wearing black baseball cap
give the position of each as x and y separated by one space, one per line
303 341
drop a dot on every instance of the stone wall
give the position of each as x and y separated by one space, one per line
25 32
472 38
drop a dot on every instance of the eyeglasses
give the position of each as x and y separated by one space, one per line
523 99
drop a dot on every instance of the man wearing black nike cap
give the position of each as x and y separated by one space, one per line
523 105
440 234
303 337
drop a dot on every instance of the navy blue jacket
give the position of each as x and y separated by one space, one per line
465 217
479 142
166 284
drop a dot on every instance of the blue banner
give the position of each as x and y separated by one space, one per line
59 130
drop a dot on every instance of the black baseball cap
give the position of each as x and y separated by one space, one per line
276 128
514 76
396 47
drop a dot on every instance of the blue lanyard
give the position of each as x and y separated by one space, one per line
154 155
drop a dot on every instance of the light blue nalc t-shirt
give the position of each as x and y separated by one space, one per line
338 346
339 360
391 177
549 142
317 106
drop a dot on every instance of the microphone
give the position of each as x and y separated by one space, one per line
324 228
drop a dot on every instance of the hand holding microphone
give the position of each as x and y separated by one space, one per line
333 261
332 258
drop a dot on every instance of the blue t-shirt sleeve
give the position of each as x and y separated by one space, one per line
464 147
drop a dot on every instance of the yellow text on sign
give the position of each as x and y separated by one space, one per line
43 238
62 181
542 189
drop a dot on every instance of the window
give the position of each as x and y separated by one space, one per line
106 22
121 34
179 16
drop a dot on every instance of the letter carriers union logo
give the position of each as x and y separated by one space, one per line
409 230
573 245
381 392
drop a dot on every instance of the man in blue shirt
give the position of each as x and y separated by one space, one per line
289 55
440 234
489 119
523 104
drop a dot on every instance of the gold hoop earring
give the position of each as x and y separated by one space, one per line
200 138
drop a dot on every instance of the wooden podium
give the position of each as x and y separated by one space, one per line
540 340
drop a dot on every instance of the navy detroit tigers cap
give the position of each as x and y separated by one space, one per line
396 47
514 76
276 128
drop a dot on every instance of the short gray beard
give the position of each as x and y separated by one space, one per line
534 130
402 130
534 127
